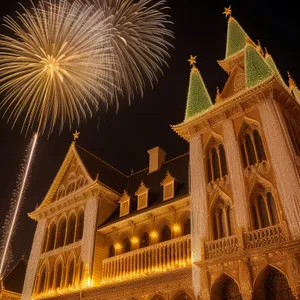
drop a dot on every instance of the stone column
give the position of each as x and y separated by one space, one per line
285 173
236 176
33 261
199 214
89 234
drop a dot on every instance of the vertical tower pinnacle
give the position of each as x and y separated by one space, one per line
198 98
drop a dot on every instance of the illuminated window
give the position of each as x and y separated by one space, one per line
80 182
71 273
168 184
44 248
52 235
187 227
42 281
58 277
127 245
111 251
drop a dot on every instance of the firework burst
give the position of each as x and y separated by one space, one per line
140 41
51 69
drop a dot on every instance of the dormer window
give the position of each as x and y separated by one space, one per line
142 194
168 186
124 204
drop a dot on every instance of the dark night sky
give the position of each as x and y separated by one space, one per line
124 138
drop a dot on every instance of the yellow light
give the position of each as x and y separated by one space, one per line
176 227
154 234
118 246
134 240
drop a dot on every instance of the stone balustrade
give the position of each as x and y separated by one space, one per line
161 257
265 236
223 246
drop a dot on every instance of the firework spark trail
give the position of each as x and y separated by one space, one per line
16 207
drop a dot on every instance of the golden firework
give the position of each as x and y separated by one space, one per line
140 41
51 70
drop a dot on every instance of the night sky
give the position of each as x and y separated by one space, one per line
122 139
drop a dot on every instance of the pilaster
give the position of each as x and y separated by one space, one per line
286 178
33 261
236 175
89 234
199 212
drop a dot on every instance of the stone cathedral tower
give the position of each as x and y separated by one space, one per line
245 187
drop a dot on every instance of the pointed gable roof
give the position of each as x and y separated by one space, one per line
13 281
294 89
271 63
236 37
198 99
256 68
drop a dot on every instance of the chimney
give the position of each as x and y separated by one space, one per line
156 159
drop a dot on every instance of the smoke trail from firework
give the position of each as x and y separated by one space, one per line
13 215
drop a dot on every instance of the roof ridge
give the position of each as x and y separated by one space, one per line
90 153
14 266
171 159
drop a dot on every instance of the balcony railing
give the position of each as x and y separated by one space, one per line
161 257
265 236
222 246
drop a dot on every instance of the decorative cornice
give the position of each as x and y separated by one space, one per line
246 100
80 197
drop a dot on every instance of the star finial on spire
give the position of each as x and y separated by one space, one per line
227 11
192 60
75 135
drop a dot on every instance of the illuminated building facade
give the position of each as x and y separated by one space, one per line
221 222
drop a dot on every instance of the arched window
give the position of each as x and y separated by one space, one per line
44 248
111 252
165 234
215 161
264 211
80 225
71 229
61 233
80 182
60 192
222 219
42 284
127 245
70 187
71 274
252 147
145 240
80 271
187 227
58 277
51 239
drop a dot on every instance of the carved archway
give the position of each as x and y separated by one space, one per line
225 288
272 284
182 295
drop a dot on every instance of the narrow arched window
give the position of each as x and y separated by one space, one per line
52 235
222 219
80 225
252 147
80 182
264 211
215 161
111 252
70 187
187 227
60 192
44 248
80 271
71 229
71 274
58 277
61 233
145 240
165 234
42 285
127 245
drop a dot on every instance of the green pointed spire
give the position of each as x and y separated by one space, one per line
271 63
198 98
256 67
236 37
